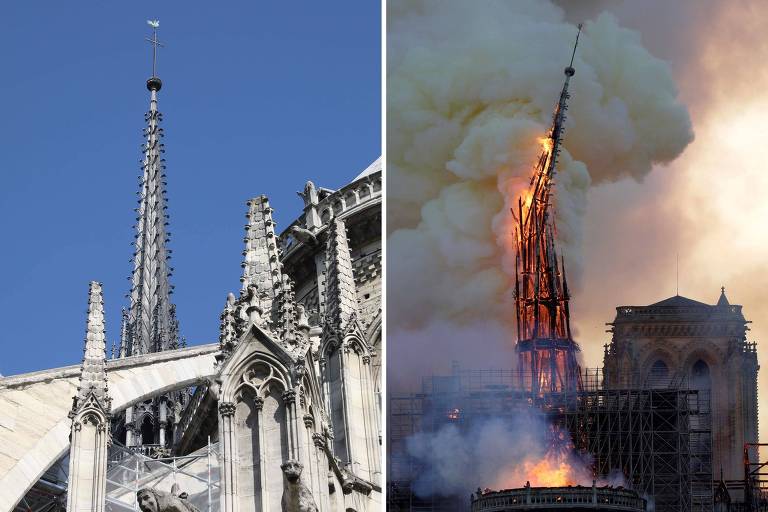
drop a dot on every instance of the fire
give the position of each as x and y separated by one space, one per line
546 144
551 471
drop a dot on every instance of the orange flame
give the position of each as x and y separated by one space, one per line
551 471
547 144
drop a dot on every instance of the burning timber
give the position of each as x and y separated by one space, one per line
659 439
545 345
558 499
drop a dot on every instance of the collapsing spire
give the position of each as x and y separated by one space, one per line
546 350
93 375
151 324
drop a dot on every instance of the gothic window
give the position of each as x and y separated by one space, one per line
147 431
700 376
658 377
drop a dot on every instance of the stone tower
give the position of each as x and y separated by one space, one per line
150 323
683 342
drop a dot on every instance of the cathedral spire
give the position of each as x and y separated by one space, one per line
723 300
151 319
340 294
93 375
546 351
261 266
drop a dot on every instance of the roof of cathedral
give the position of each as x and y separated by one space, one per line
373 168
679 308
678 301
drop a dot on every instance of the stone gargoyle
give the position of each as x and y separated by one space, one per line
154 500
296 496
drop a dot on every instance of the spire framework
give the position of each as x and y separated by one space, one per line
546 350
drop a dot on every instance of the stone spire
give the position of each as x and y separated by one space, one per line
93 375
151 322
261 264
723 300
340 294
89 433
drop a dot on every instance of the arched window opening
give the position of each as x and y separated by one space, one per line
659 375
147 431
700 376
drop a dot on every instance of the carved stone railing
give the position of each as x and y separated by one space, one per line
567 498
356 195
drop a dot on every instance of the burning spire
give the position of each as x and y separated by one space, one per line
151 322
546 351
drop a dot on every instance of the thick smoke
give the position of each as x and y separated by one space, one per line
471 89
498 454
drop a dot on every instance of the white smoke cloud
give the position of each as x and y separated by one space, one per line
471 88
498 454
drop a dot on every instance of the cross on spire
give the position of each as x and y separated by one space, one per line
155 24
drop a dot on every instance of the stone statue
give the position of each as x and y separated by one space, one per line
153 500
310 194
304 236
296 496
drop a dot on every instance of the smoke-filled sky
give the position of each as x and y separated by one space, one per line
664 149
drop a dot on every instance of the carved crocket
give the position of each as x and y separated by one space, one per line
296 496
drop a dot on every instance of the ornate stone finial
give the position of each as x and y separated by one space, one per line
93 376
340 292
262 266
286 314
723 300
228 328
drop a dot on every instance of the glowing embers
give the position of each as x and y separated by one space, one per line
548 366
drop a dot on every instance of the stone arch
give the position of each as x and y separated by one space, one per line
700 375
704 350
255 371
710 355
146 426
260 390
669 358
131 380
654 377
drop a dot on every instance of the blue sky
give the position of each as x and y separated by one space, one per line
257 98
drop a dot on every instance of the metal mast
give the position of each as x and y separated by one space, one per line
546 351
151 323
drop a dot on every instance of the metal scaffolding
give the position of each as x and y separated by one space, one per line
659 438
